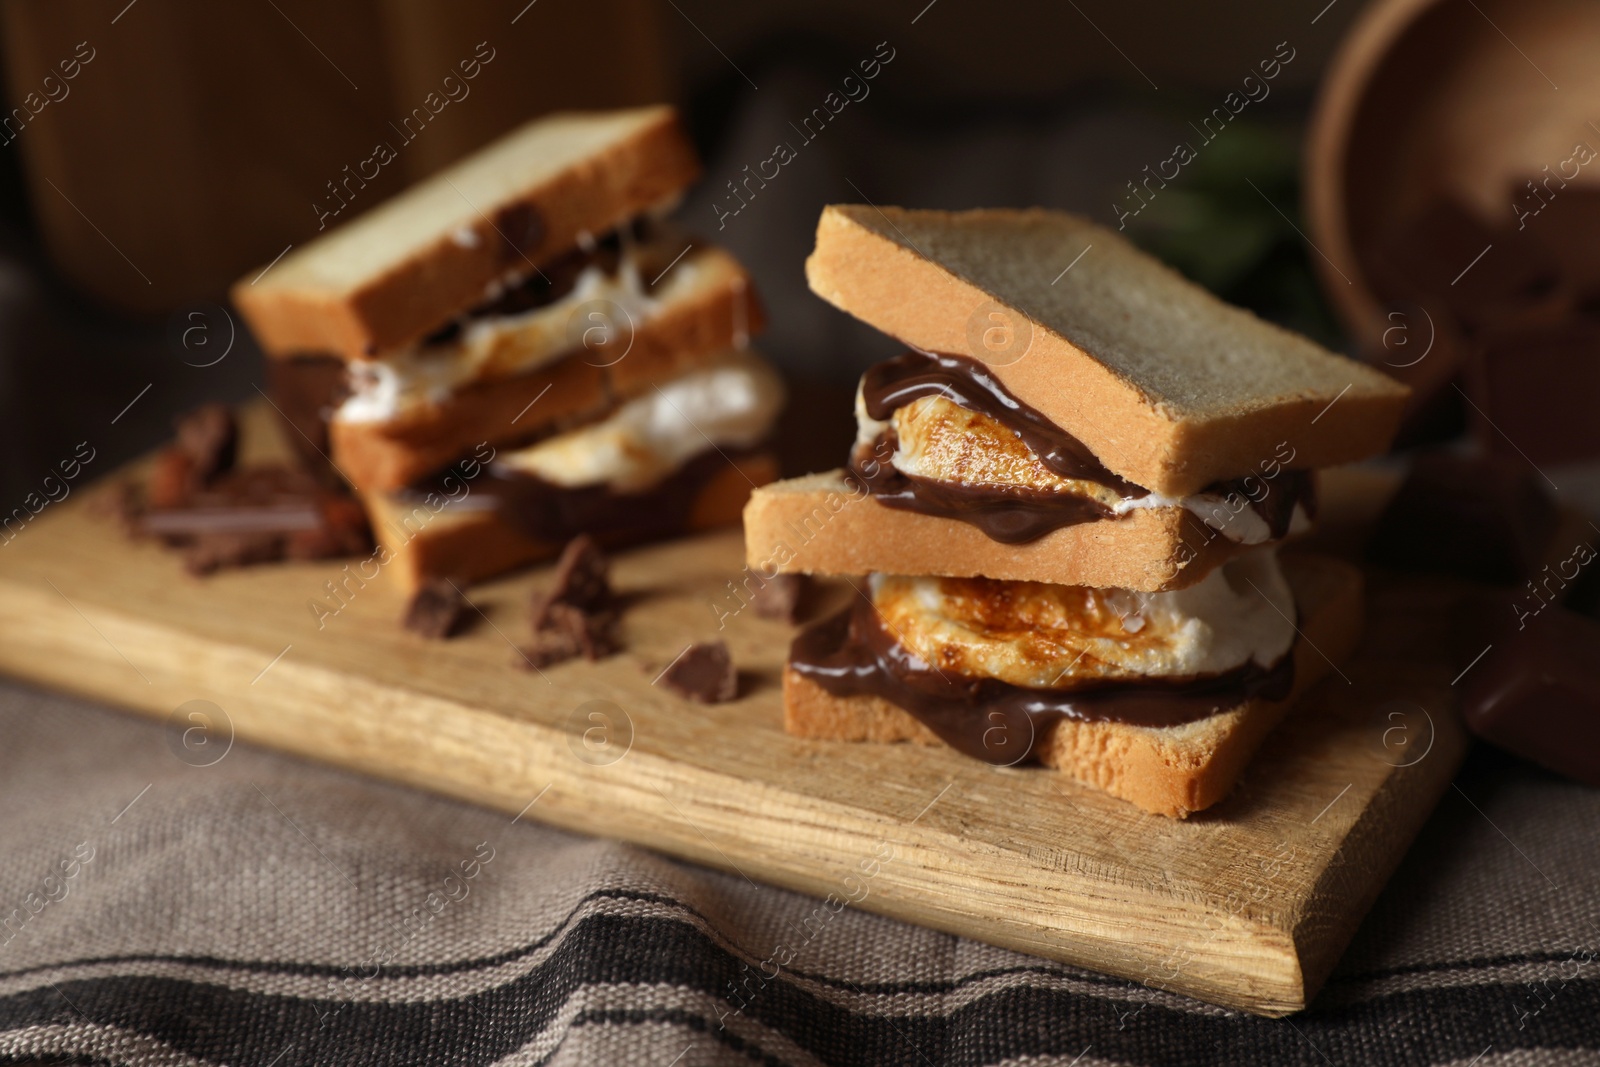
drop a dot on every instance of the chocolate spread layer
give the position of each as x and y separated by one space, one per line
851 654
1016 514
554 281
544 511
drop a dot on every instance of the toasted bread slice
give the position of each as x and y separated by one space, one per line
826 524
400 271
1171 771
1170 387
706 307
467 544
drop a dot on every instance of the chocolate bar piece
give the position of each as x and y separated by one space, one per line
581 581
256 515
577 615
780 597
704 673
1485 518
1536 693
436 611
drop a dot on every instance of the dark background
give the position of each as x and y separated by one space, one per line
190 151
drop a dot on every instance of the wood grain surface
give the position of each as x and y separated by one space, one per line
1247 905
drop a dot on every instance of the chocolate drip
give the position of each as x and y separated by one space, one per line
896 382
851 654
545 511
1016 514
1011 515
553 282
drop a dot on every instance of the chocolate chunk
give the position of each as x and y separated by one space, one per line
704 673
780 597
1536 693
592 634
437 610
209 436
1489 519
521 229
256 515
570 633
581 581
214 551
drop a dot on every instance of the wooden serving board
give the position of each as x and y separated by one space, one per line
1246 905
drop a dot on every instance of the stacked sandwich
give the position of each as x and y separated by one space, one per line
526 352
1067 501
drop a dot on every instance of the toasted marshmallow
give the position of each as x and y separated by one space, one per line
943 441
500 346
731 403
1060 636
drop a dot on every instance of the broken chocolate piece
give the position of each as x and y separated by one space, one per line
256 515
1486 518
437 610
1537 693
592 634
704 673
581 581
780 597
577 615
209 436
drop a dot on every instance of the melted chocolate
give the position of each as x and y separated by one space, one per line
1015 514
545 511
897 382
851 654
554 281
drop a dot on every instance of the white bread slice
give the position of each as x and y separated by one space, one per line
703 311
400 271
1168 386
420 541
826 524
1172 771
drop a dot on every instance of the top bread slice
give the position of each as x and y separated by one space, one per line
413 263
1168 386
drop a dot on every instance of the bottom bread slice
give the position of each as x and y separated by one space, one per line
470 545
1174 770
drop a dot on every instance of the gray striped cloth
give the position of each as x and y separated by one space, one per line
243 908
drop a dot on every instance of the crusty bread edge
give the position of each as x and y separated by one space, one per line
1165 771
894 288
827 524
415 296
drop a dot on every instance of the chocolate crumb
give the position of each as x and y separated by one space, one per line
704 673
209 436
781 597
577 615
437 610
581 581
